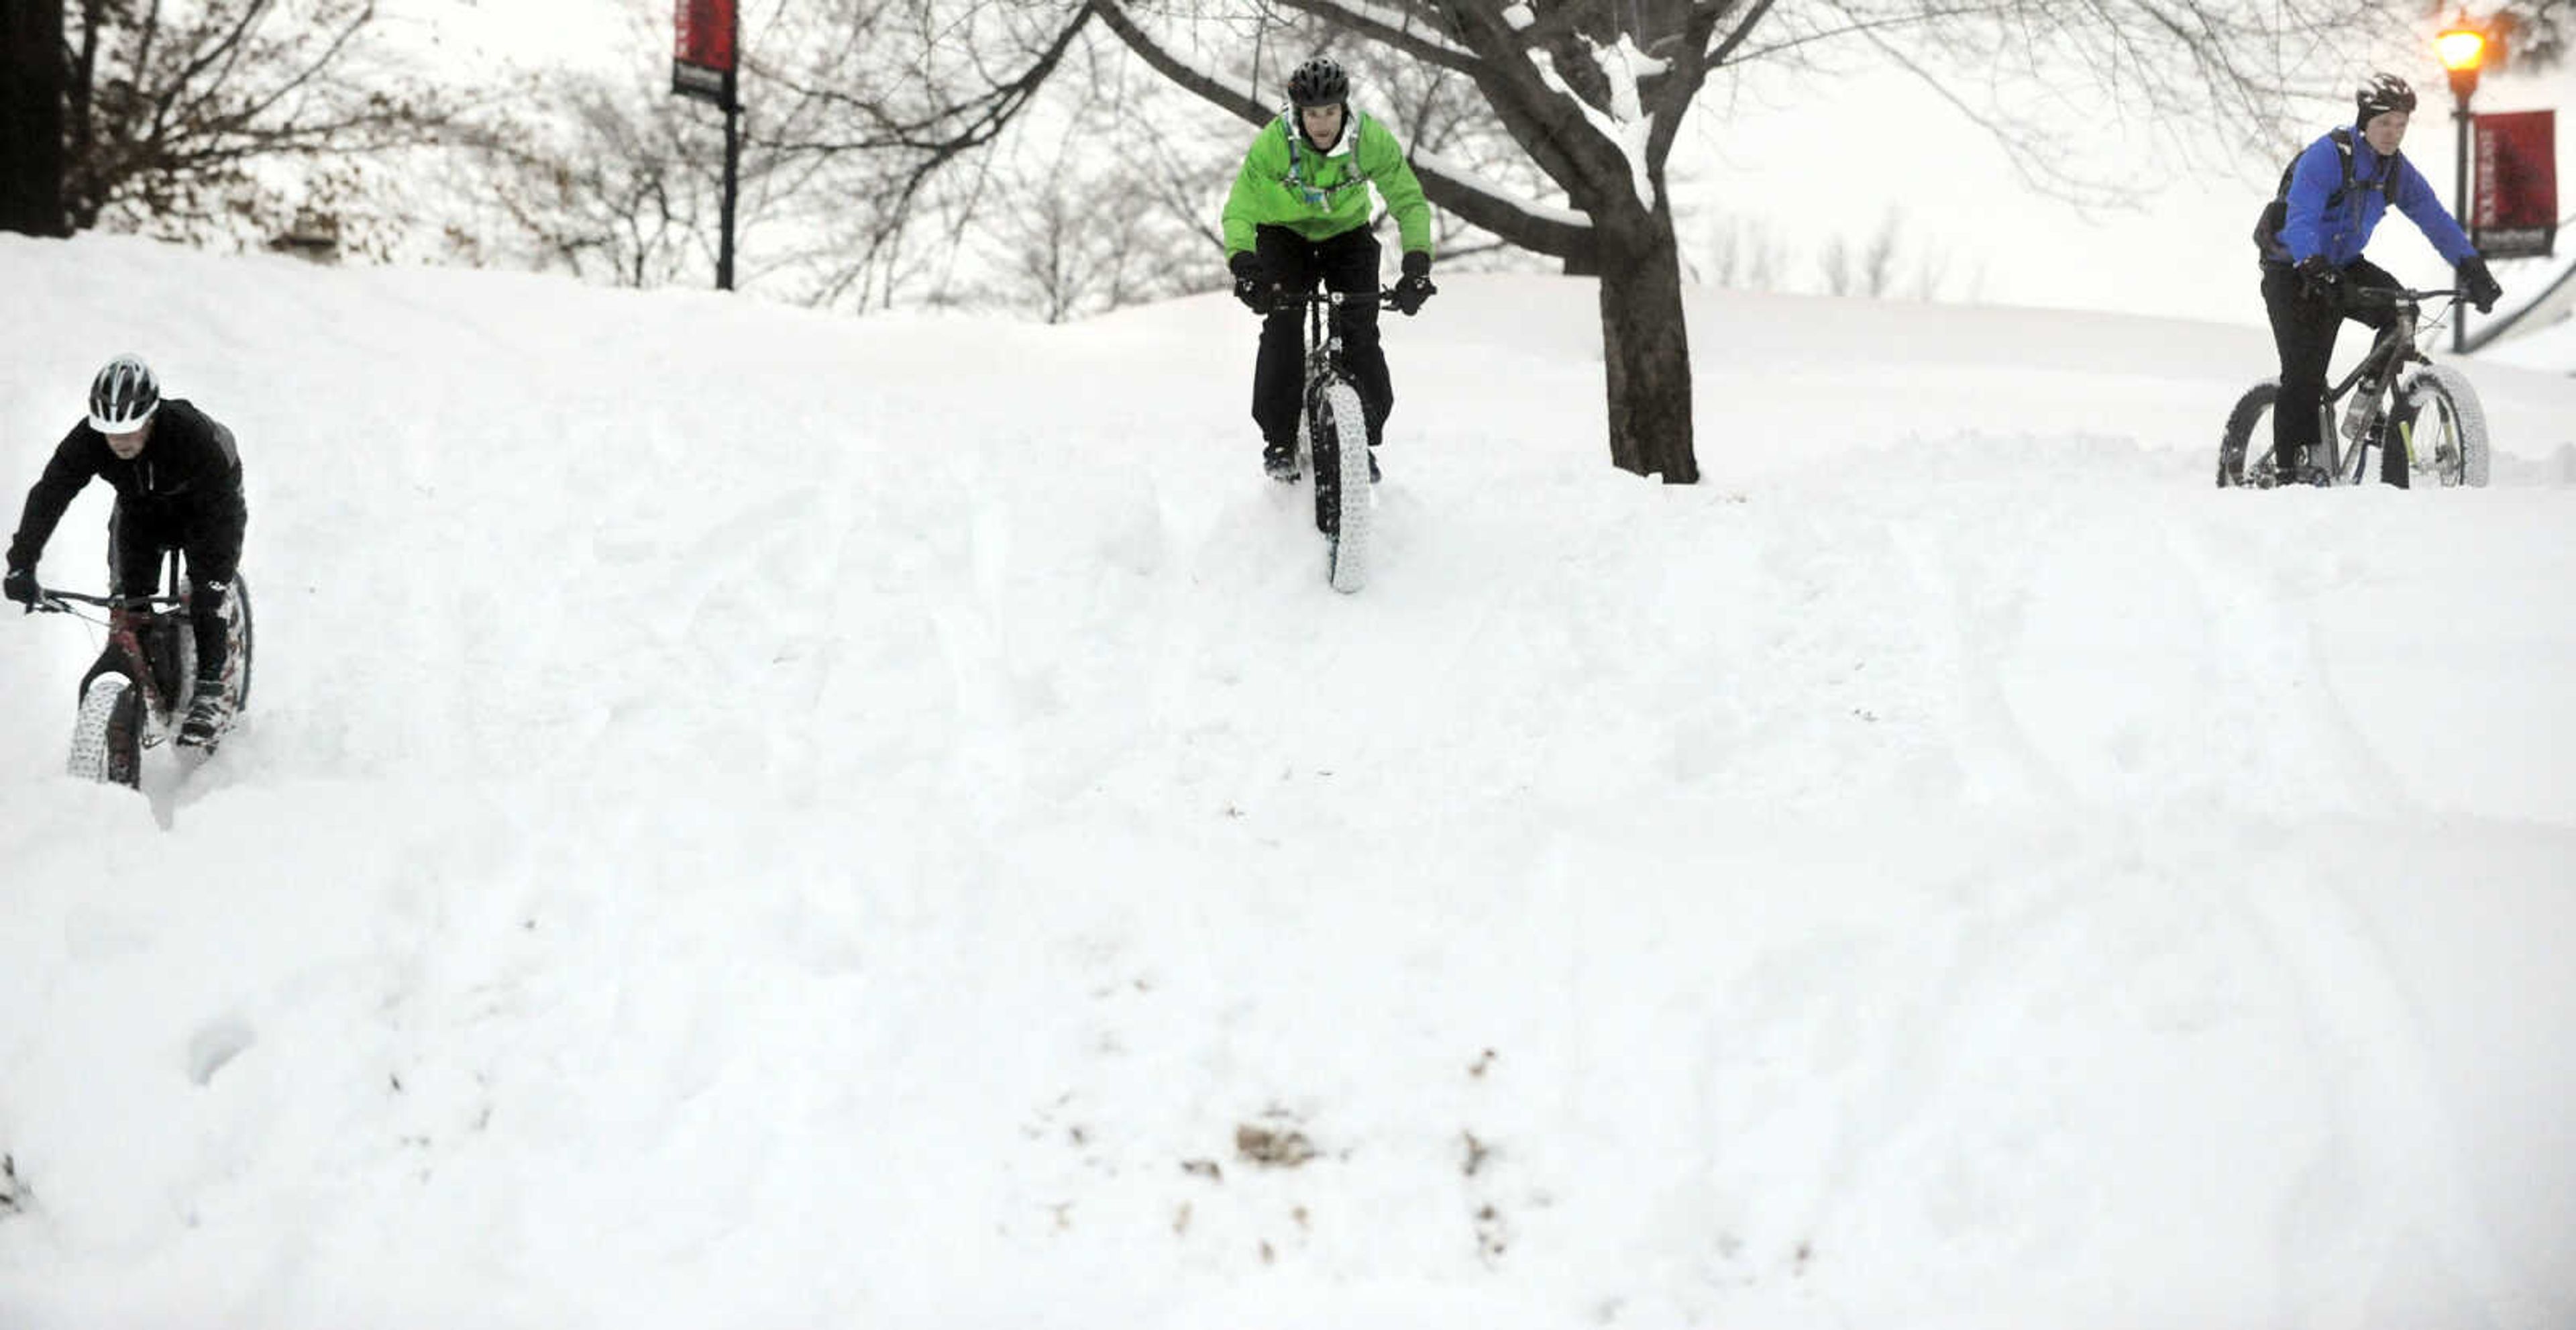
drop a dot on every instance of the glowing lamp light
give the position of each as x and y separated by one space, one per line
2463 48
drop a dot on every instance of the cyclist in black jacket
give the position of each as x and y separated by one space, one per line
178 482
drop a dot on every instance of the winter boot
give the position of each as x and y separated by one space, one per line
208 716
1279 460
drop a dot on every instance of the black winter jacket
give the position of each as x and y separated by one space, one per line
190 469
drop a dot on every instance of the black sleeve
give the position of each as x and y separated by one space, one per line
212 458
75 460
230 452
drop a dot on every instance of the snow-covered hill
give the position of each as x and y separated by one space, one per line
758 819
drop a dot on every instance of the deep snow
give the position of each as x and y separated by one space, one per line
760 819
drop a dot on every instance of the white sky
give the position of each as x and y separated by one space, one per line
763 819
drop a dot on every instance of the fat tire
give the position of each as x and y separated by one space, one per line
240 642
2446 390
237 630
107 739
1348 548
2235 443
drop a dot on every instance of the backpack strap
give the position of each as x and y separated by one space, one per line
1298 179
2267 228
2342 136
2387 183
1296 151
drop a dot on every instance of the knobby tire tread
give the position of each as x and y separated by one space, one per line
2445 387
1349 544
2237 455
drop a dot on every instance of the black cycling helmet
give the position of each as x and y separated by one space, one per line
2382 94
123 396
1319 82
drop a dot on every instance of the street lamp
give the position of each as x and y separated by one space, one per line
2463 48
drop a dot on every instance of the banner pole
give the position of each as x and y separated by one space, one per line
705 65
732 176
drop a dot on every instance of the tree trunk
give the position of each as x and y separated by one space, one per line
1645 344
31 117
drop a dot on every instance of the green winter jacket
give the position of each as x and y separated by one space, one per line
1285 182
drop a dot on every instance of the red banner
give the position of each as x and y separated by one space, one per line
702 60
2514 212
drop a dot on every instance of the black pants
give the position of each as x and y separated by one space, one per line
1346 263
2304 332
208 534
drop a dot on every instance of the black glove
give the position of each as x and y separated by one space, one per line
20 586
2479 283
2320 280
1415 286
1252 284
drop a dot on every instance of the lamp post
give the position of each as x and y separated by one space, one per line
2463 48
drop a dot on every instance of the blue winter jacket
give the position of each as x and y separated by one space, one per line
2340 234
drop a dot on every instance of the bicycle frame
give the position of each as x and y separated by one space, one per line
2390 353
1342 484
146 676
154 666
1325 362
149 640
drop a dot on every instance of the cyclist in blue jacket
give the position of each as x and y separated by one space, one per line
2337 191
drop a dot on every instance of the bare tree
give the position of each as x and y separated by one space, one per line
1743 255
887 99
2532 33
1075 241
1593 92
613 178
1878 262
1747 255
1928 276
914 144
607 180
1865 270
881 115
1834 264
174 108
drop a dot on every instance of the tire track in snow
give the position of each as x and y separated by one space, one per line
2392 1135
2294 718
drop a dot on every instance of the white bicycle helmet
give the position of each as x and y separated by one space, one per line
123 396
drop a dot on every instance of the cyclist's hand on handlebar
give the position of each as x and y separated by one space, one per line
1415 286
20 586
2320 280
2479 284
1252 284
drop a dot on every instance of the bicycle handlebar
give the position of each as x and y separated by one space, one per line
2396 295
1385 299
50 601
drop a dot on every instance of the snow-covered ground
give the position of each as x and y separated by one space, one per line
762 820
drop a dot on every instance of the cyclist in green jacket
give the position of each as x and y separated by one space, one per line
1299 214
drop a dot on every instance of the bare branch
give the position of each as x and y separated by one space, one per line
1378 29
